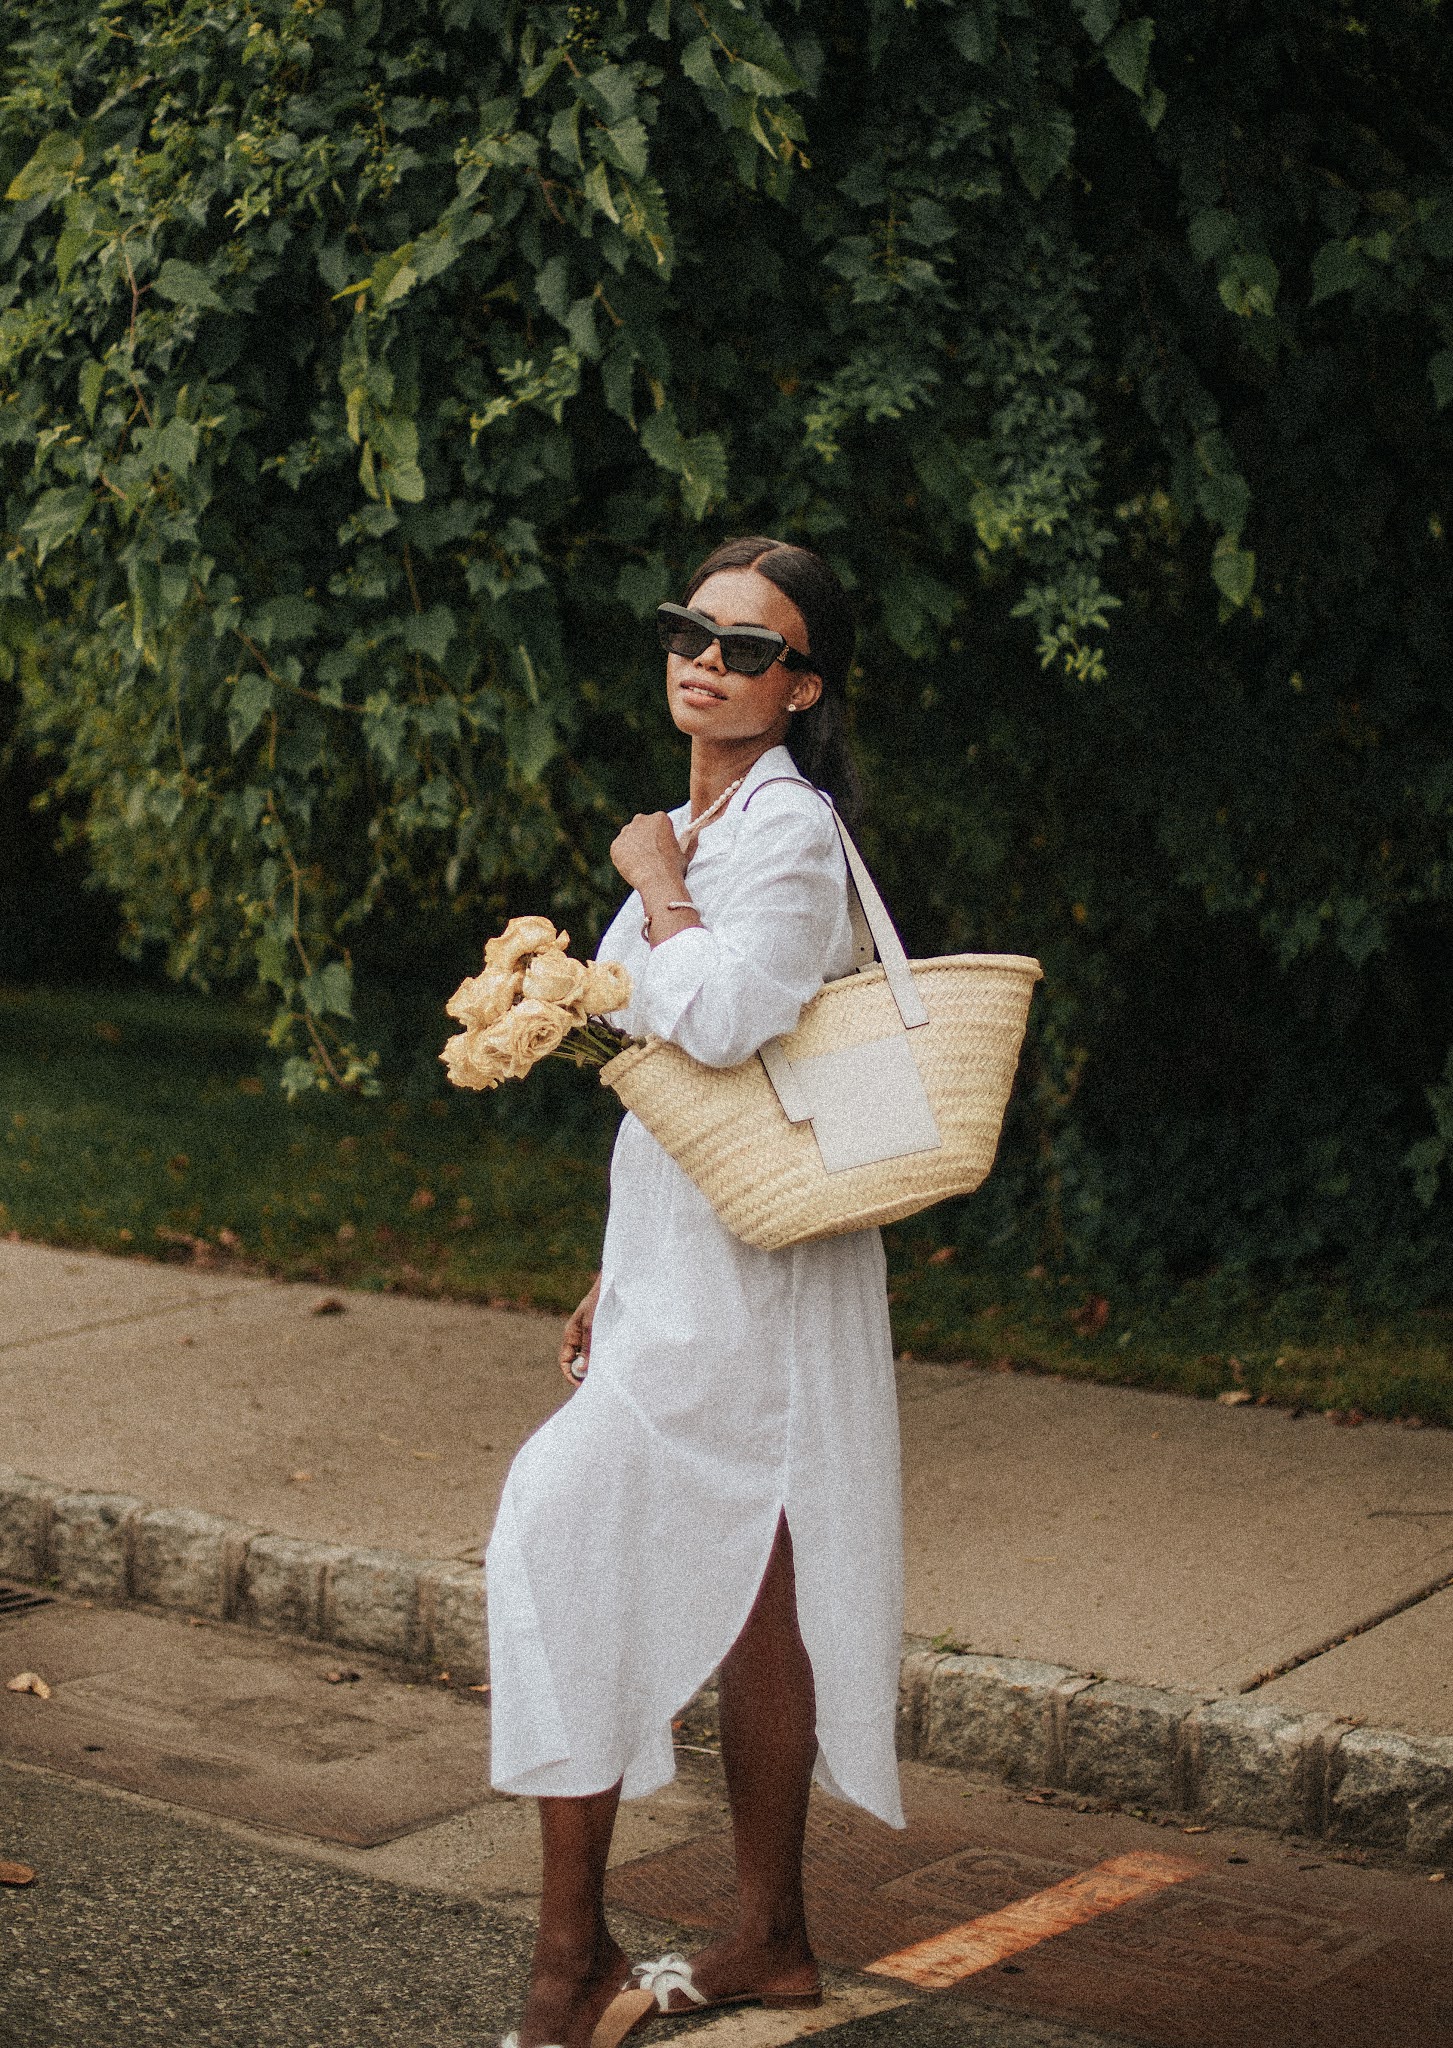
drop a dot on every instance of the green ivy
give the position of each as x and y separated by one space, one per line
368 374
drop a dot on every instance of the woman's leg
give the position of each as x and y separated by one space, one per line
577 1966
769 1746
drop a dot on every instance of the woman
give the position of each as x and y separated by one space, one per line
723 1490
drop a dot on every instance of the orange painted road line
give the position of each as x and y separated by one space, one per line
979 1944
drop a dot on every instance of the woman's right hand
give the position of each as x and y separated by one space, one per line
575 1344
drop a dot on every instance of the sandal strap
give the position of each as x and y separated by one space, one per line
665 1975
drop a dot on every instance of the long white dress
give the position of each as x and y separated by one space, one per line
727 1386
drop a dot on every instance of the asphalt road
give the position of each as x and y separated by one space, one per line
398 1911
148 1928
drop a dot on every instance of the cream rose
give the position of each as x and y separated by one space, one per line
525 1034
482 999
553 977
607 987
521 937
470 1063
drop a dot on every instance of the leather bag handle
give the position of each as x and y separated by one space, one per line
867 908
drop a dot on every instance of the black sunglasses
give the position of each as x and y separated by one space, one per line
745 650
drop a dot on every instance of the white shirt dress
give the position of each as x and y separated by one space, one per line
727 1386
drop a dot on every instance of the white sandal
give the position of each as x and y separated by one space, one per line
652 2000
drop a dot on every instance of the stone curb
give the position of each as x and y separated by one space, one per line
107 1546
1239 1760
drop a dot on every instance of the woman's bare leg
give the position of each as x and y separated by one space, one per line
769 1746
577 1966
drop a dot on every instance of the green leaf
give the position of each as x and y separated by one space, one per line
56 517
552 287
404 481
1233 570
1041 148
1224 501
530 739
617 374
1248 284
71 245
429 633
1127 54
185 285
1098 16
644 585
563 135
174 445
626 146
385 723
540 77
329 991
1338 267
967 34
56 160
699 64
1213 233
597 191
284 618
251 701
91 382
1440 372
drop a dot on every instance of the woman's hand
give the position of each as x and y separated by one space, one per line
575 1344
647 851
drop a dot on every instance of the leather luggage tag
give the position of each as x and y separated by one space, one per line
866 1102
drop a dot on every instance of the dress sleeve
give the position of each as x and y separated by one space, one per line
720 991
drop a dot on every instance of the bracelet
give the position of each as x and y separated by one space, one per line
646 925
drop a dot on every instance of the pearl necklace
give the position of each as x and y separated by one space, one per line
688 833
710 812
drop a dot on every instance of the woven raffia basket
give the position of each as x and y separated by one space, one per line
764 1175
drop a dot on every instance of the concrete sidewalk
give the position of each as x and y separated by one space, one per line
1150 1593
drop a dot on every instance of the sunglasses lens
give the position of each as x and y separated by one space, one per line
682 636
748 654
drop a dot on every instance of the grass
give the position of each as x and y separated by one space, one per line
151 1123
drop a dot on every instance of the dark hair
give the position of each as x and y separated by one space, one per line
821 745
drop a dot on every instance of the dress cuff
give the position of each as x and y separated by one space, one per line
671 977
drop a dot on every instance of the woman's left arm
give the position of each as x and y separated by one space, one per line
720 992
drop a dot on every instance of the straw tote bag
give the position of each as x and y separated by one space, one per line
888 1096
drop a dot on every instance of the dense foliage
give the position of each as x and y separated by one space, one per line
369 374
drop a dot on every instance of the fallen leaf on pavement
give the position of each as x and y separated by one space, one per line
28 1681
485 1688
341 1677
1198 1829
16 1873
435 1456
300 1477
1236 1397
330 1305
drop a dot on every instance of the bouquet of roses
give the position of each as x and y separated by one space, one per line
533 1002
